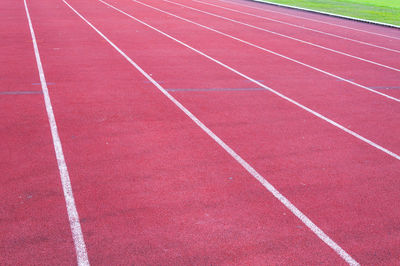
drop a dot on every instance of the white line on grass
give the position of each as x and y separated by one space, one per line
275 53
286 36
315 20
240 160
302 27
80 248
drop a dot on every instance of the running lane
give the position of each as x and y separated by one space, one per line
346 186
34 228
150 186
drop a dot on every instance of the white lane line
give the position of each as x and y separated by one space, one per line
314 228
315 20
80 247
20 92
301 27
275 53
285 36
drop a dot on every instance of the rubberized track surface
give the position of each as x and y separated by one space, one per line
196 132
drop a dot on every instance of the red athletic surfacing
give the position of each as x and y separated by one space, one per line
152 188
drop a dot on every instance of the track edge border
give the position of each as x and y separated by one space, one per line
328 14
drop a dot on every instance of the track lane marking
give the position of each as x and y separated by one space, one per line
314 228
287 36
272 52
20 92
302 27
80 247
373 144
310 19
213 89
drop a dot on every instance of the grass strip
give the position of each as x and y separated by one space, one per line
386 11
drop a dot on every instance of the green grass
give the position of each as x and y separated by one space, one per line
387 11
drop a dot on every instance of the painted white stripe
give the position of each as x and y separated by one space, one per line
286 36
275 53
73 216
315 20
314 228
302 27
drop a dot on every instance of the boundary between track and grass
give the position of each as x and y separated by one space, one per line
288 36
309 19
280 34
302 217
327 13
76 230
300 26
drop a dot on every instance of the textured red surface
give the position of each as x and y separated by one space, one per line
34 226
150 186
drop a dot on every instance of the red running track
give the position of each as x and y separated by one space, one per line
150 186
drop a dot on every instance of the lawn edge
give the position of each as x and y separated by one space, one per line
329 14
